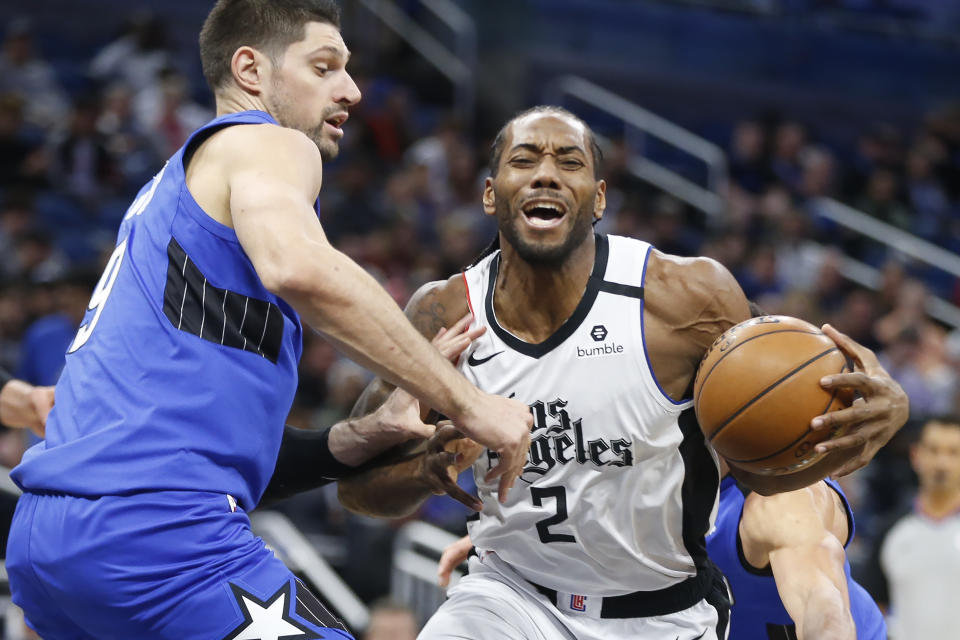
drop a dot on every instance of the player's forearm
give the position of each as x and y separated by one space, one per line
825 618
387 492
813 587
345 303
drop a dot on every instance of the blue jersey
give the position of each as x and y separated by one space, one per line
184 367
757 612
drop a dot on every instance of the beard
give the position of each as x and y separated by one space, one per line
538 253
280 108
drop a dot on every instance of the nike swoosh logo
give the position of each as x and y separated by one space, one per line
697 638
473 361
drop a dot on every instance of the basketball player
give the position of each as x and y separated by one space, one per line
169 412
601 336
784 561
22 404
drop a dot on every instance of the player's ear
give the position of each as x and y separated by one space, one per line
600 203
489 198
249 68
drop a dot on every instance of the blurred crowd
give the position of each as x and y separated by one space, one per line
404 201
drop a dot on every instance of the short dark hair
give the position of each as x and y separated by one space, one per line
496 151
267 25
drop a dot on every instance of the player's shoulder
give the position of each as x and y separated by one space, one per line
271 144
438 304
703 278
697 295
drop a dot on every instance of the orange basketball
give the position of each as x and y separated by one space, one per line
758 388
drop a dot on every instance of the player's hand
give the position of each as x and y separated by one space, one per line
502 425
874 418
24 405
452 342
453 556
448 454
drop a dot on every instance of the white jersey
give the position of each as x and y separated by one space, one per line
619 487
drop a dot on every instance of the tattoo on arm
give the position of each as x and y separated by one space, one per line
427 313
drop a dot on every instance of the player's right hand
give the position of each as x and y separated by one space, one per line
453 556
502 425
448 454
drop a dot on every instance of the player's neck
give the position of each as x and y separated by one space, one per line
532 301
235 102
939 503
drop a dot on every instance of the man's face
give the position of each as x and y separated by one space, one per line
936 458
310 89
545 196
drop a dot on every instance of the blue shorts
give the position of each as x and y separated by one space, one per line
176 565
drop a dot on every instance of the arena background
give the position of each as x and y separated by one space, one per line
812 146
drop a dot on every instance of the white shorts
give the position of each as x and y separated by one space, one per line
494 603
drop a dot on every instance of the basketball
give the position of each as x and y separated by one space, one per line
758 388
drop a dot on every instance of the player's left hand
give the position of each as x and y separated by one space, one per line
872 419
453 556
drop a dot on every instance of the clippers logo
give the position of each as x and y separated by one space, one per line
578 603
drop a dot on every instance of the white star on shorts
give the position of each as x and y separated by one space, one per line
266 620
267 623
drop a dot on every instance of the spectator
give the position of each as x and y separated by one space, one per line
24 72
166 110
37 259
789 142
748 164
23 162
137 57
81 166
127 142
882 199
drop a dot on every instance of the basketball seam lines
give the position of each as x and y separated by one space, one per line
833 397
768 389
738 345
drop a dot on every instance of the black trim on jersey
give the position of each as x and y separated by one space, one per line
220 316
540 349
781 631
720 599
473 517
618 289
765 572
701 482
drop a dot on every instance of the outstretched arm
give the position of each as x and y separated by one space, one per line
24 405
271 198
309 459
398 483
800 535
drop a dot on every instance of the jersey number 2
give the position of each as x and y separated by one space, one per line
543 526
